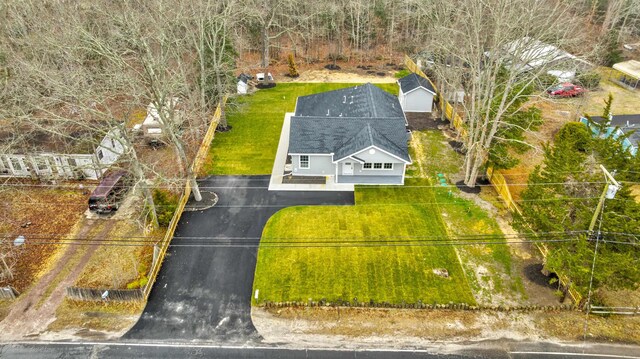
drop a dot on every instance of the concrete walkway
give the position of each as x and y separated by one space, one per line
275 183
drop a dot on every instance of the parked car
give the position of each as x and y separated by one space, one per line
566 89
108 196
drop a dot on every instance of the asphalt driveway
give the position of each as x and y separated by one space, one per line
203 290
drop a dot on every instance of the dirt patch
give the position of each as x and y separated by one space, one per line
34 310
466 189
343 76
92 320
399 328
419 121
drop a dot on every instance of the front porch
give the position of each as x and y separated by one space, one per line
380 180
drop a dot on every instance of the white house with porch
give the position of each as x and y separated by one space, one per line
51 165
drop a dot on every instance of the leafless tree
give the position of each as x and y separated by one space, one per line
56 85
493 47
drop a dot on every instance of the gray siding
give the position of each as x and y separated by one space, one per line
378 156
419 100
318 166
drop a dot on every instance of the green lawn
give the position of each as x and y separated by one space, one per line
488 267
250 147
348 252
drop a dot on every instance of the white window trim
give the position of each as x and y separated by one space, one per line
378 169
308 162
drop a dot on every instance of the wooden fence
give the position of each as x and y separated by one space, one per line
8 292
160 250
121 295
496 178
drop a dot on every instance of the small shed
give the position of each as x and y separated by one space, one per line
416 94
628 73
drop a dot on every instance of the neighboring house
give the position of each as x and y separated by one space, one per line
151 126
357 134
620 125
416 94
52 165
628 73
529 54
243 84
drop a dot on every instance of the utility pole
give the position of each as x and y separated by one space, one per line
610 189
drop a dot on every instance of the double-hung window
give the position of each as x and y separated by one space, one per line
377 166
367 166
304 161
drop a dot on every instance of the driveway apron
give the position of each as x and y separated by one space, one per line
203 290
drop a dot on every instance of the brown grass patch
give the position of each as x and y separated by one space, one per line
118 263
52 213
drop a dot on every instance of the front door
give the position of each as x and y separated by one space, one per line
347 168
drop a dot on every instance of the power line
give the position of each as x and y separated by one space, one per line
307 245
87 186
318 239
265 243
359 204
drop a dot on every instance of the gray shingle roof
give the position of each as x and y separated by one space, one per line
413 81
347 121
626 123
359 101
345 136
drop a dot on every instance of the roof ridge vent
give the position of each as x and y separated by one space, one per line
370 134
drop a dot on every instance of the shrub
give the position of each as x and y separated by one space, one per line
589 80
293 69
166 203
143 281
134 284
576 136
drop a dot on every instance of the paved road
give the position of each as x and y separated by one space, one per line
203 292
493 350
70 350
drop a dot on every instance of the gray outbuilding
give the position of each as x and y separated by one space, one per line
416 94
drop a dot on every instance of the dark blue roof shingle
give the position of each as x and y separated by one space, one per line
413 81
